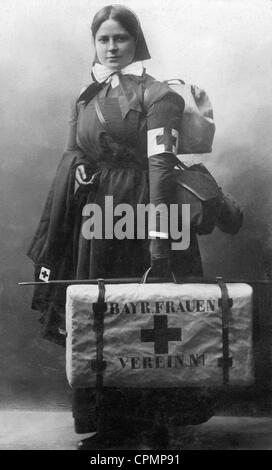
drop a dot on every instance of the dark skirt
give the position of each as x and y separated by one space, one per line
116 409
76 257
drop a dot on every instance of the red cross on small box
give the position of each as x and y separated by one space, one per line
44 274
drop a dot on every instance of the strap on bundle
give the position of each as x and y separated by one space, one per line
99 365
225 303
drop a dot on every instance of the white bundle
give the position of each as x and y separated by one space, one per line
159 335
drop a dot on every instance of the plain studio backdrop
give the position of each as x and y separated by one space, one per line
222 46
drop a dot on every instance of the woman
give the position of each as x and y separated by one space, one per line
122 142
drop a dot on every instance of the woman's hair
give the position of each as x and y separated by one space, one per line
129 21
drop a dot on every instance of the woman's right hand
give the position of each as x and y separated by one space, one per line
81 176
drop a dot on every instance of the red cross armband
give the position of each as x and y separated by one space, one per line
162 140
163 124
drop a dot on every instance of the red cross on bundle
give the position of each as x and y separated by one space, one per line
167 139
161 334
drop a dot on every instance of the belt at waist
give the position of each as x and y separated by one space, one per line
123 164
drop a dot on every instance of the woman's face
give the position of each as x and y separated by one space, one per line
115 47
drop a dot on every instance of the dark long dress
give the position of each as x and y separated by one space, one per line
115 156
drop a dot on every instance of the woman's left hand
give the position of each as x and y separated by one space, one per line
81 176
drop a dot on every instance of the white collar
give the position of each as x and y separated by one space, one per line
102 73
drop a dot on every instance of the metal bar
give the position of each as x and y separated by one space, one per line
133 280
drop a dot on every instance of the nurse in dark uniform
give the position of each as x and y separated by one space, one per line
124 131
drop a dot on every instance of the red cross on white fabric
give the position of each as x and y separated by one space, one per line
168 139
161 335
161 140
